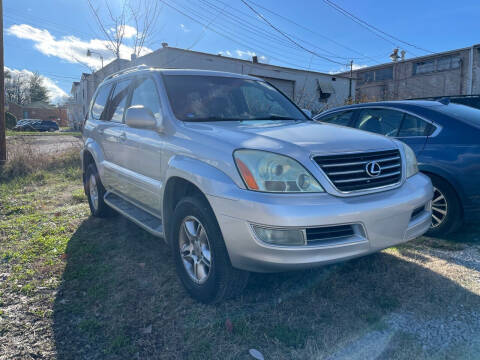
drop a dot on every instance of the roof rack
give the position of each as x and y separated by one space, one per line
127 70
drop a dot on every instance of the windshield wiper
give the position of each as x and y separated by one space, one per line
273 117
214 118
211 118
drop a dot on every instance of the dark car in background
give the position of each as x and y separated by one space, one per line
469 100
446 140
36 125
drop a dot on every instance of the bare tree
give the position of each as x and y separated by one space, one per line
23 88
17 88
112 28
142 14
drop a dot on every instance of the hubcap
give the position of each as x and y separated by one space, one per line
439 208
93 190
195 249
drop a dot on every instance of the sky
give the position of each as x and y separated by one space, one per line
52 37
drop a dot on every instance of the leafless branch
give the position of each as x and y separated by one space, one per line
141 14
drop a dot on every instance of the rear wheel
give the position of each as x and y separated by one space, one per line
200 255
446 209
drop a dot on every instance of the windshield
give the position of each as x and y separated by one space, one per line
219 98
464 113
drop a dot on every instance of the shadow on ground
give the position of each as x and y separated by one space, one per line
120 299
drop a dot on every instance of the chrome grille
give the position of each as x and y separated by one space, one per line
349 172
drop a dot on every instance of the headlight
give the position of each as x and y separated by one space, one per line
269 172
411 161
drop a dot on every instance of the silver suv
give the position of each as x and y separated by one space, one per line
235 178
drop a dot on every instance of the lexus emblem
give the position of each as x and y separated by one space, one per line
373 169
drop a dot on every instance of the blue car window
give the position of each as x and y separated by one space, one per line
380 121
413 126
342 118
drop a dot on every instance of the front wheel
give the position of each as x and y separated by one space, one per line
446 208
95 192
200 255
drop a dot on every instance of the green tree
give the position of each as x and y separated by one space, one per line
37 90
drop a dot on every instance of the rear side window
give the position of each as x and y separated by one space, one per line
145 93
342 118
413 126
380 121
116 105
99 109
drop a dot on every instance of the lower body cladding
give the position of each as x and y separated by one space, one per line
311 230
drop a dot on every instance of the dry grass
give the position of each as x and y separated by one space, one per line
76 287
24 159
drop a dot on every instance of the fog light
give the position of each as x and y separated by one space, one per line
279 236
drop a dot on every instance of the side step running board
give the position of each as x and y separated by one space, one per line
139 216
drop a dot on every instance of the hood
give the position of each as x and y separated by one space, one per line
289 137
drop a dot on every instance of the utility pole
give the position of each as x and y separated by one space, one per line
350 83
3 140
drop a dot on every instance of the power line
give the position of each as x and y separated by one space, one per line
255 28
248 27
289 38
314 32
189 13
371 27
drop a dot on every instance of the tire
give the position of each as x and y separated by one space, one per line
446 208
219 280
95 191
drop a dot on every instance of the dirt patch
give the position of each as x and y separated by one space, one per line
45 144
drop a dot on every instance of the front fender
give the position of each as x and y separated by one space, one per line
209 179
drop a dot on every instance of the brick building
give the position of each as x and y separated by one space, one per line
455 72
39 110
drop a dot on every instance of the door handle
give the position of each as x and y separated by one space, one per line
123 137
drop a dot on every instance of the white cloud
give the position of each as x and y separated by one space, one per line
225 53
243 54
129 31
184 28
55 93
71 48
347 68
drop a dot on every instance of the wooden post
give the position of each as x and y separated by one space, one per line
3 140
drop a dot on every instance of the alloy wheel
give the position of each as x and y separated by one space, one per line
93 191
439 208
195 249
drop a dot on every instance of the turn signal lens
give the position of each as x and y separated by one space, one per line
247 175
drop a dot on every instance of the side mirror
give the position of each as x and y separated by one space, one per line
140 117
308 113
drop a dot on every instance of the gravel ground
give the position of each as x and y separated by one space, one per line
45 144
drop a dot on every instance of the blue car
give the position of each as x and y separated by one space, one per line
446 139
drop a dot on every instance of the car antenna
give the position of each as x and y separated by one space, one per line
444 100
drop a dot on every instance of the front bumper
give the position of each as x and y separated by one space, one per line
385 217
